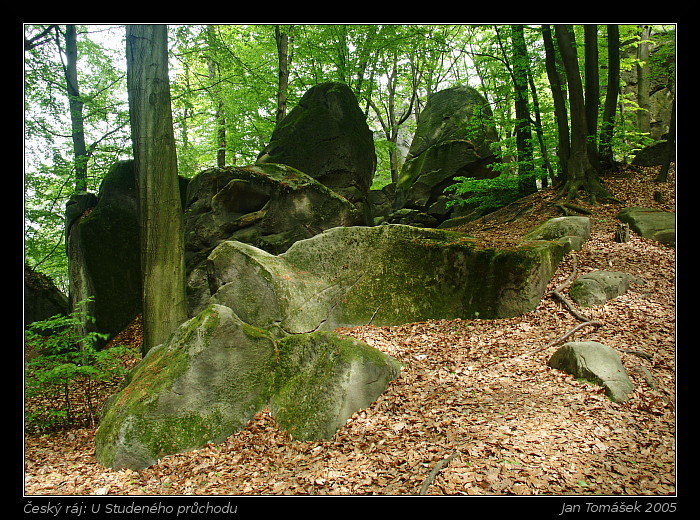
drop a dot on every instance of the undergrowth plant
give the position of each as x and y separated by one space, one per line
64 383
487 194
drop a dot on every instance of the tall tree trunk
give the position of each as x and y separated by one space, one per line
558 86
219 117
643 124
592 90
539 131
581 173
75 104
282 40
523 132
607 125
155 161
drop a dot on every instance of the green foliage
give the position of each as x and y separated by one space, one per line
64 383
487 194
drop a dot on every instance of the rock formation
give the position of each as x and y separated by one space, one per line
453 138
598 287
42 299
326 136
103 251
211 377
651 223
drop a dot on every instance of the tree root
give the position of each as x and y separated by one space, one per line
563 299
433 473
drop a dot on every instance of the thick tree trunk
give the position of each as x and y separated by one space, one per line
523 133
558 87
581 173
155 161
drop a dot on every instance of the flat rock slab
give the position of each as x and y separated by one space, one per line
598 287
651 223
384 275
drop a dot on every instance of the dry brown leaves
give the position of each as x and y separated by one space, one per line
473 389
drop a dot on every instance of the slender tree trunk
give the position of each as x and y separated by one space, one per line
155 161
523 132
670 148
75 105
539 131
282 40
559 95
607 125
581 173
643 125
592 90
219 117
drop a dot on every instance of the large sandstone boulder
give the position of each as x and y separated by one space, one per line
211 377
102 243
326 136
597 363
206 382
453 138
42 299
268 205
651 223
384 275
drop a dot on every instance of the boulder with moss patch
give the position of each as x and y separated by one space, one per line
322 379
596 363
206 382
383 275
215 372
651 223
576 230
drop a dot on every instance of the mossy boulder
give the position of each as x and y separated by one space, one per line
211 377
384 275
322 379
597 287
596 363
202 385
575 230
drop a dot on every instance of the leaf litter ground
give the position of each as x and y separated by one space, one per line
478 392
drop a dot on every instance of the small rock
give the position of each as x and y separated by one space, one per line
597 363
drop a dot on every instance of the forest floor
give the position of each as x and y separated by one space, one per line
476 410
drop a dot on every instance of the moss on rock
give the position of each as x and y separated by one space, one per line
322 379
203 384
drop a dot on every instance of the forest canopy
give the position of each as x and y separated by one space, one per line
231 84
